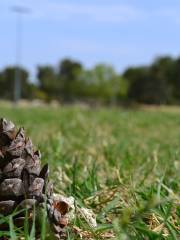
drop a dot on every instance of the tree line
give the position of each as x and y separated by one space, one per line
157 83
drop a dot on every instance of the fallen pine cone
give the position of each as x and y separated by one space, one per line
24 184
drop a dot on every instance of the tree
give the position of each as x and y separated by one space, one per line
48 82
107 82
162 75
68 75
138 80
7 83
102 84
2 86
151 85
175 78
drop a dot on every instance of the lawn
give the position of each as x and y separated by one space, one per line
122 164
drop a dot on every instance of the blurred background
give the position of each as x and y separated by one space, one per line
96 52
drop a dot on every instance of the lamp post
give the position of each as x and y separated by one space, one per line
17 78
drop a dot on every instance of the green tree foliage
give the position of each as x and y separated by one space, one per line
2 87
175 78
48 83
7 77
102 84
68 75
61 83
158 83
161 75
152 84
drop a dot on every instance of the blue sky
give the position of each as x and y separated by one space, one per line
118 32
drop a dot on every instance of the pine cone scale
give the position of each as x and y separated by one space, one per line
6 207
11 187
14 168
36 187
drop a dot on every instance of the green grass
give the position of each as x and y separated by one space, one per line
122 164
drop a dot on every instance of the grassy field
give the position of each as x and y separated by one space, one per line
122 164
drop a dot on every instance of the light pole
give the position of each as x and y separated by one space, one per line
17 78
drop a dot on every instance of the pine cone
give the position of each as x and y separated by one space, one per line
23 183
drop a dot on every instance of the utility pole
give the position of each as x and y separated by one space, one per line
17 78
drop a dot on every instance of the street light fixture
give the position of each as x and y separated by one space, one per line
17 78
